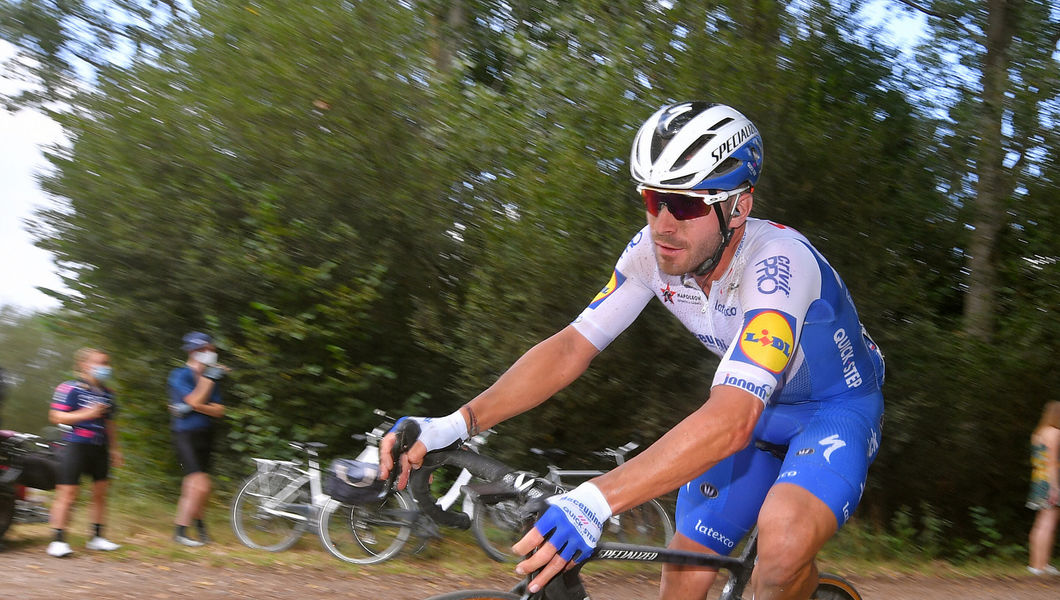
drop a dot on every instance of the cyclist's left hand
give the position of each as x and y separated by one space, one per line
565 535
435 433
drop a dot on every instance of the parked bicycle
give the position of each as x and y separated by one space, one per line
568 585
365 521
284 499
366 533
26 461
280 501
497 526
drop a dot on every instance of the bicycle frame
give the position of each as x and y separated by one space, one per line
278 505
568 585
463 478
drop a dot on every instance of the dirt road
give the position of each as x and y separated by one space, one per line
27 573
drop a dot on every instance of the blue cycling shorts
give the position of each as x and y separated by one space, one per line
830 447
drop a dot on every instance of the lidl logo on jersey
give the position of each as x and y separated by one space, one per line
616 280
767 340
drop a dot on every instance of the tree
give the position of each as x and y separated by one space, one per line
1003 93
63 42
36 353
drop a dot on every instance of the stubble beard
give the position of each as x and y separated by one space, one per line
694 256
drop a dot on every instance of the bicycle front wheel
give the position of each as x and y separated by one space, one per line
367 534
496 527
476 595
266 513
646 525
834 587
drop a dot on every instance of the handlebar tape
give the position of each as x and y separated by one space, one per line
480 466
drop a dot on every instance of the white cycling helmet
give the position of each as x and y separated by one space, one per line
697 146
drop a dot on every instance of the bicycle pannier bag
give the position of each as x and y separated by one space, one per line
353 481
39 472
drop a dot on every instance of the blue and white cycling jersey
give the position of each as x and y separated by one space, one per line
780 317
787 332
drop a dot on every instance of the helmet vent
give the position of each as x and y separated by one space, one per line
679 180
657 143
691 151
722 123
727 166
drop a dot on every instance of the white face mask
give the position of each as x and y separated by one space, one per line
207 357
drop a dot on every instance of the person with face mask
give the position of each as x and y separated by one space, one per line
194 404
86 405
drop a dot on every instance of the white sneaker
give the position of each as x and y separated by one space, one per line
99 543
59 549
1046 570
187 541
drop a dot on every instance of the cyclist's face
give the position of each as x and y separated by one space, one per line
680 246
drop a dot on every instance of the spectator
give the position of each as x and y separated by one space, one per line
1044 496
195 403
87 406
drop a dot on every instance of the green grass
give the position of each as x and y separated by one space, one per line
142 524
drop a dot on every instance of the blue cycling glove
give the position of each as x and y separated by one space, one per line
574 521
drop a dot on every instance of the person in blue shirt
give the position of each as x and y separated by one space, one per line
86 405
195 404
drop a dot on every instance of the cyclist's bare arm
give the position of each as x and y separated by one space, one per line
719 428
542 371
199 398
74 417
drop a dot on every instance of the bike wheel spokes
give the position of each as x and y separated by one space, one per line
366 534
645 525
497 527
271 511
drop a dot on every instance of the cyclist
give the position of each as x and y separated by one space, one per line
194 404
87 405
797 369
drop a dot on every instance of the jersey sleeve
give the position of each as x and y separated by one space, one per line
179 385
779 284
626 294
64 399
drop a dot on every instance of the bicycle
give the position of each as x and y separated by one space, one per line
374 529
568 585
497 526
26 461
352 531
281 501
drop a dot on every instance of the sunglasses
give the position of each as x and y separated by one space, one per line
683 205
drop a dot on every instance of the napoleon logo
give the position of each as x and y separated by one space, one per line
667 294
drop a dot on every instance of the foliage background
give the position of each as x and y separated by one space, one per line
383 204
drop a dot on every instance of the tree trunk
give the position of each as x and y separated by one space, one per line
989 208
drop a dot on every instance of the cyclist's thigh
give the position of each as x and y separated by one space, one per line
203 444
184 444
831 455
70 465
720 506
97 462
